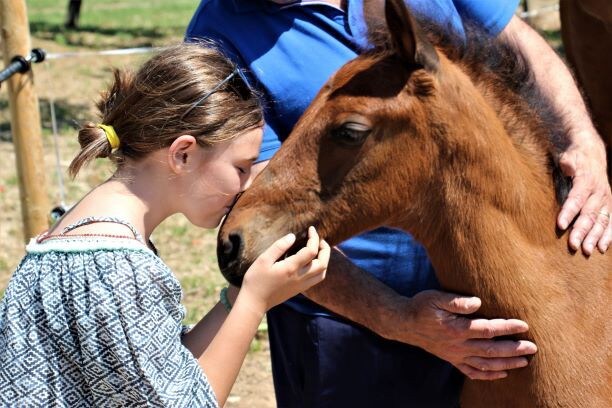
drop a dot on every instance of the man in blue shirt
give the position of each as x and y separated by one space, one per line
318 358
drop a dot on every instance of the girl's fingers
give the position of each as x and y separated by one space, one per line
324 252
305 255
277 249
312 268
313 240
313 280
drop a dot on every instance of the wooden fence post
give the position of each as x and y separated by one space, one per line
25 120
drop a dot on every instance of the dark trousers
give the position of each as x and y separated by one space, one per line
320 361
74 10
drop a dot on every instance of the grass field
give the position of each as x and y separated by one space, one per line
108 23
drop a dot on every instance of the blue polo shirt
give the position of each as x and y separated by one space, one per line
291 50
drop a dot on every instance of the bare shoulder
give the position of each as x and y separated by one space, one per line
95 216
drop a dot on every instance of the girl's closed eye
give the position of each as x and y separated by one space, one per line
244 166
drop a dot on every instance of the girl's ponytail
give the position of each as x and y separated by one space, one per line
94 144
187 89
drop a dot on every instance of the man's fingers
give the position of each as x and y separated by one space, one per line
496 364
576 199
475 374
596 233
590 215
487 329
606 239
495 349
456 304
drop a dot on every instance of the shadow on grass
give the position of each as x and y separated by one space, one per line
68 116
111 37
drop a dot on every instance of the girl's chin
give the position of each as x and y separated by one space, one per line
211 223
208 222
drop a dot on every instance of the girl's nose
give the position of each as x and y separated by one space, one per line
248 183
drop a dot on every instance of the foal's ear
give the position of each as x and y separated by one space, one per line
407 38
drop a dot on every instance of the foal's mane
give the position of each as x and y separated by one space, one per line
494 61
505 68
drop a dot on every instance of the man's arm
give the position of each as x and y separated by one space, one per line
585 159
431 320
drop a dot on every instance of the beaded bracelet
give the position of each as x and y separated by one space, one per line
224 299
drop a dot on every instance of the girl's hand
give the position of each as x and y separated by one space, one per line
268 282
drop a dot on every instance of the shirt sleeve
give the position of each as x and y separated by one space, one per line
270 144
492 15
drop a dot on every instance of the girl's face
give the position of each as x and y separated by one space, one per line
219 175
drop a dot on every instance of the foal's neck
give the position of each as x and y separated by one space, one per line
495 211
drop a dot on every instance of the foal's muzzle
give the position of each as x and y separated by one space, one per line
229 250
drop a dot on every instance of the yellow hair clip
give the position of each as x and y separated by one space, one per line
111 135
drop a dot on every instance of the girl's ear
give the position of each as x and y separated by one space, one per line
181 153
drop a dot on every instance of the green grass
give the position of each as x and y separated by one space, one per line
11 181
105 23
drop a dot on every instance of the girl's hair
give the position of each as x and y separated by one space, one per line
157 104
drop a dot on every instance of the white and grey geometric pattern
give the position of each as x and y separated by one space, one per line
95 322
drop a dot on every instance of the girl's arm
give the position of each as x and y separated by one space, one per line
221 343
200 336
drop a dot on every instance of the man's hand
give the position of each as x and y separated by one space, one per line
590 198
438 326
585 159
432 320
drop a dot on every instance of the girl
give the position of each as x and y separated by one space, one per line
92 317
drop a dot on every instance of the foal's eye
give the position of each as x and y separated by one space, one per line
351 134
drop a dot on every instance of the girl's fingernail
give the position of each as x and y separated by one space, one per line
290 237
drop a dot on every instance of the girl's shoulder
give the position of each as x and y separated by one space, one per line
77 237
92 259
85 243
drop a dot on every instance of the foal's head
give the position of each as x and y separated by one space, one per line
372 149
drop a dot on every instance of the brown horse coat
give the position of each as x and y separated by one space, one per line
453 146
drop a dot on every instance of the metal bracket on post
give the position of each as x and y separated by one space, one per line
22 64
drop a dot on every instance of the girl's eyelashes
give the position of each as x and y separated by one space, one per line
241 170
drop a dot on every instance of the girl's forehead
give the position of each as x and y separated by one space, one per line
241 146
249 142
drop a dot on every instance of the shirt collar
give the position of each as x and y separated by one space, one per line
245 6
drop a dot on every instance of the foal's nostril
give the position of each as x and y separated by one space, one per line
229 249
